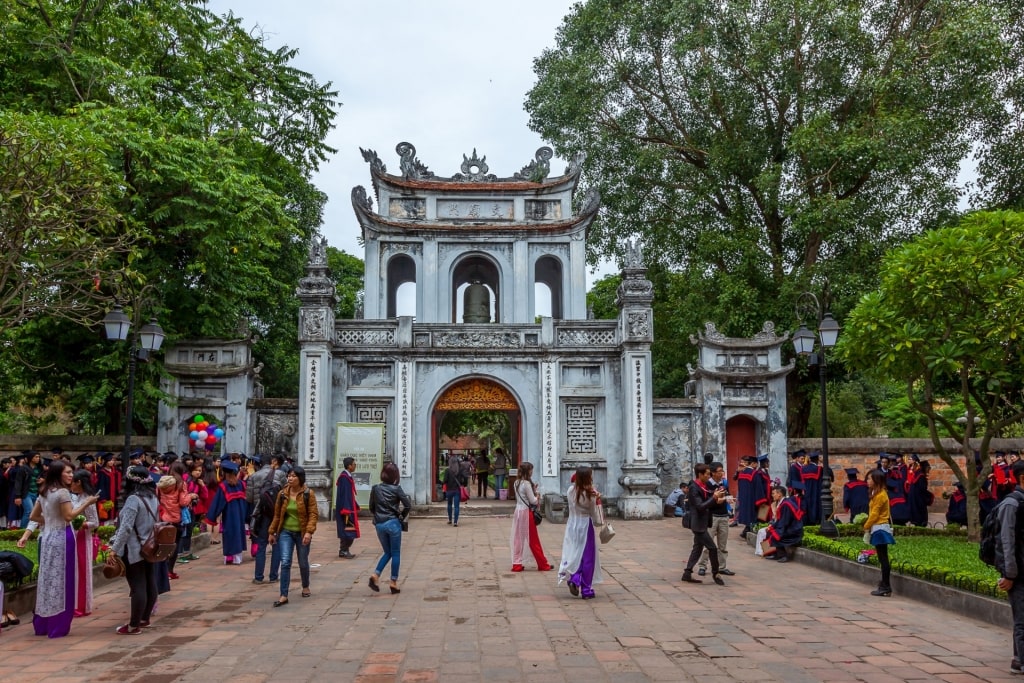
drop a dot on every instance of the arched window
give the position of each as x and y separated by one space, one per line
548 272
401 286
480 271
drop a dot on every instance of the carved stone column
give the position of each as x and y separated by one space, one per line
639 477
318 297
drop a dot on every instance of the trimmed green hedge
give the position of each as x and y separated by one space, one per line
942 556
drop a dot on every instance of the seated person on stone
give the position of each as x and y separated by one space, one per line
673 504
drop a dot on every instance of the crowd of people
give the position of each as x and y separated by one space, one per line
243 502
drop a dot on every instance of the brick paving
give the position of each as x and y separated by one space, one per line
463 616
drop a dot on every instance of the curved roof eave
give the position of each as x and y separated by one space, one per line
547 186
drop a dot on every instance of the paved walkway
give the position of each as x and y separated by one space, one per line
463 616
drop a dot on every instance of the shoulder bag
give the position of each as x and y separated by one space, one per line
537 517
162 540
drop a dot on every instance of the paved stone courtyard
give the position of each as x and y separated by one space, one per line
463 616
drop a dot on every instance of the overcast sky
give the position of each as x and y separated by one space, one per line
446 75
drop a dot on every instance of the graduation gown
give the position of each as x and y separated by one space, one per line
788 528
899 510
347 509
956 513
917 498
855 498
229 504
762 490
795 473
745 495
108 486
810 475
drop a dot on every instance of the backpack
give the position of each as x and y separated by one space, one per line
161 542
684 503
265 500
991 531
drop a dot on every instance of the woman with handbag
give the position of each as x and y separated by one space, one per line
390 507
581 564
524 524
134 523
295 517
453 483
878 529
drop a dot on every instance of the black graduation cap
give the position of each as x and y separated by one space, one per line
56 450
797 485
104 457
798 454
815 455
915 457
229 466
762 458
852 471
86 458
884 456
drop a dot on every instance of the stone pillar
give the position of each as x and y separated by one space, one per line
639 478
318 297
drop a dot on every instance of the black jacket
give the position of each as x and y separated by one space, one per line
701 501
387 502
20 481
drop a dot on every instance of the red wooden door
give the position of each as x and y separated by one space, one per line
740 440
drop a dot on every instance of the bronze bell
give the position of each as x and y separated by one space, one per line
476 304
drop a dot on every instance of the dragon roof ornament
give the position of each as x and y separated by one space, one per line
412 168
538 169
474 168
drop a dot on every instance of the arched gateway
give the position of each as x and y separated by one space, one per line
477 393
494 270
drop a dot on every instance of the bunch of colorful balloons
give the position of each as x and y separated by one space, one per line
203 434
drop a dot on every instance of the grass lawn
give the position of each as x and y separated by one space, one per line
947 559
31 551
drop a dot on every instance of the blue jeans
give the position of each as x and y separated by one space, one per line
499 484
390 536
289 541
453 498
27 503
275 558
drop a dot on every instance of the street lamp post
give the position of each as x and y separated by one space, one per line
803 341
143 342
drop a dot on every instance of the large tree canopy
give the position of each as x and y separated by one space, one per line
948 317
210 138
59 225
759 145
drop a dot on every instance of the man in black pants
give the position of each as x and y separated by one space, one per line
701 499
1009 559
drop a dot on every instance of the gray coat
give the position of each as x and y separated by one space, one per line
133 523
1010 545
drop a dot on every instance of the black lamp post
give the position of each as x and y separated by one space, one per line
803 341
143 342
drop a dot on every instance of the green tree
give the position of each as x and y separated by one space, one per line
61 223
763 148
210 137
347 271
949 313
